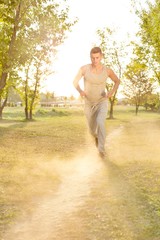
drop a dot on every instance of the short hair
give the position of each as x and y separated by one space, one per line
96 50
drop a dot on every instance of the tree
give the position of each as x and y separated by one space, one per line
113 53
30 85
149 35
137 84
152 102
27 34
7 90
3 100
71 98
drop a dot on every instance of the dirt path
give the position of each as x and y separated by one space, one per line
96 199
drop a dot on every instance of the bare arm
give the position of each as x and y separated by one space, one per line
116 81
76 80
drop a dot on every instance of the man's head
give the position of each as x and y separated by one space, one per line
96 55
95 50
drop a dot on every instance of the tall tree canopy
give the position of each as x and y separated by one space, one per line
149 34
27 26
30 31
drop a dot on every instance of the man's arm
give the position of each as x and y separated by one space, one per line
116 81
76 82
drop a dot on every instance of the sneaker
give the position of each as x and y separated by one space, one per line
96 141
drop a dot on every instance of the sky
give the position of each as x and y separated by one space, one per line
74 52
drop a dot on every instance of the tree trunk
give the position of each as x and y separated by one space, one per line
30 114
26 112
3 80
2 106
112 101
26 94
32 101
137 107
26 101
111 110
35 92
1 110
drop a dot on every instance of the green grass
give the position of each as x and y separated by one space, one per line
29 151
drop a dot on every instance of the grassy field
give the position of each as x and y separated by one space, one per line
30 150
27 148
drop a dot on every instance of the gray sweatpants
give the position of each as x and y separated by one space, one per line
96 115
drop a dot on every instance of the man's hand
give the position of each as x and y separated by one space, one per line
82 93
109 94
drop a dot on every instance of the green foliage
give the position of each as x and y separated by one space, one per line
150 31
113 51
30 32
32 28
6 91
51 112
137 83
149 34
152 101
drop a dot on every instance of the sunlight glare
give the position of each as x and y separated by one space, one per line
75 51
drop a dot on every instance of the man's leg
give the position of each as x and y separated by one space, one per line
101 129
96 116
91 115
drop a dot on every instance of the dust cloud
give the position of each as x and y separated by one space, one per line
89 182
76 180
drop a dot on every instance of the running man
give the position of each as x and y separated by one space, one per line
95 75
